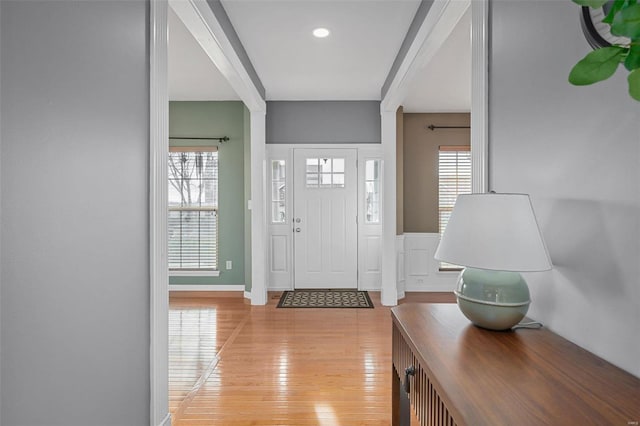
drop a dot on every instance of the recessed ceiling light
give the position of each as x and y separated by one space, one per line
321 32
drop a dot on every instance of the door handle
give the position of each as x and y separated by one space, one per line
297 229
409 371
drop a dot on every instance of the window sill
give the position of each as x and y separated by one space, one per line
194 273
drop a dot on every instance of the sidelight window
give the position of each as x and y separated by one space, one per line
278 191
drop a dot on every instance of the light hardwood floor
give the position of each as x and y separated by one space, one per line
231 363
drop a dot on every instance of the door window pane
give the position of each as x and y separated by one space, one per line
278 191
312 173
372 191
338 165
325 173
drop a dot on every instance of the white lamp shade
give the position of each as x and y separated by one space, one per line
494 231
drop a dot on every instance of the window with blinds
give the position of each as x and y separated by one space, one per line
454 178
193 209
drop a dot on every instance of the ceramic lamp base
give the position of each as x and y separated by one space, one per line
495 300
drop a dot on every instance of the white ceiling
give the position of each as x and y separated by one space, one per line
444 85
192 75
351 64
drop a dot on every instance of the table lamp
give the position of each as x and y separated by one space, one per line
495 237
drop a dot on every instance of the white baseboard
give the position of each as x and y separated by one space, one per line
279 288
247 295
208 287
166 421
376 289
431 288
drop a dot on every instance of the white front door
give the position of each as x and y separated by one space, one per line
325 224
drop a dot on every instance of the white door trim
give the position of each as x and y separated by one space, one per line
282 278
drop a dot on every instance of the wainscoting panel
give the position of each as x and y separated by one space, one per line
279 253
400 266
370 258
279 258
421 270
373 253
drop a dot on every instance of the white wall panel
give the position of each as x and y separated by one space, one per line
373 253
278 253
421 269
400 266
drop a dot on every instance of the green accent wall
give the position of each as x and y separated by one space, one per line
217 119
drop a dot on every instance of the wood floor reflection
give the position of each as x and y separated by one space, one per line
231 363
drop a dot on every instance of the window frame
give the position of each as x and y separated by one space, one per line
443 266
200 272
284 182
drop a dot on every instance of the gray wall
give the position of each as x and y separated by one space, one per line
576 150
323 122
74 172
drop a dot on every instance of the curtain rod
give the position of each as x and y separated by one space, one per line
433 127
222 139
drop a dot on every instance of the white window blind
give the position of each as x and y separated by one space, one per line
193 209
454 178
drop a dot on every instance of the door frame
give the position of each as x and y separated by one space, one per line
282 279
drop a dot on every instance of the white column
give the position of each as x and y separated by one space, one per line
258 211
479 95
389 294
158 270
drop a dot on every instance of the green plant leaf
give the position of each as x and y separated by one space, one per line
627 22
591 3
634 84
617 5
596 66
632 60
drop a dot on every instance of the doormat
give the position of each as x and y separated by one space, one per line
325 299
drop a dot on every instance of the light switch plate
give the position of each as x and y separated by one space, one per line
229 265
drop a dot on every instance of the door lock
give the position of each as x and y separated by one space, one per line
298 220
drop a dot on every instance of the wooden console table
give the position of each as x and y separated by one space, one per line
465 375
